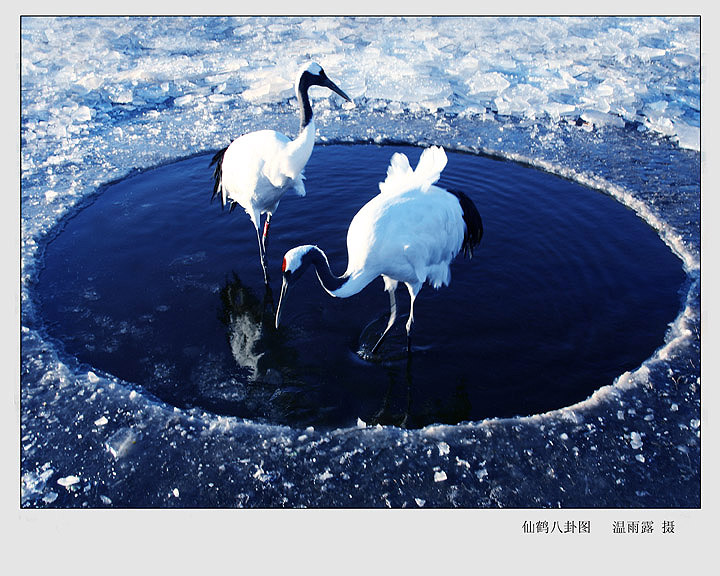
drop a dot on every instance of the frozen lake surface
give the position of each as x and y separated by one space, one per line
612 104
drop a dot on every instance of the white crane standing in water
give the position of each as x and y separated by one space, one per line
257 168
408 233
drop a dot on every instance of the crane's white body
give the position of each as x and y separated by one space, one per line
259 167
408 233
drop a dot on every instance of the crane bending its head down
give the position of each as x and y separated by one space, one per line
408 233
257 168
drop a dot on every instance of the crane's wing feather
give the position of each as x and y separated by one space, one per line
401 177
398 173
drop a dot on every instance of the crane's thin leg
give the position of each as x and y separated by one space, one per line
413 291
390 286
263 261
265 232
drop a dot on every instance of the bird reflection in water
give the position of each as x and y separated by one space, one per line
254 343
248 319
396 406
395 409
269 382
282 384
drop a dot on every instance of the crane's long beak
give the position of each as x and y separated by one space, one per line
330 84
283 290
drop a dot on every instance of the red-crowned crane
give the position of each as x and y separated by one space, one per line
408 233
257 168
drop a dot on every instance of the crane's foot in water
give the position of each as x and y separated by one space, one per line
375 344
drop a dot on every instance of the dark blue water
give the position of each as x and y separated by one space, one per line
154 283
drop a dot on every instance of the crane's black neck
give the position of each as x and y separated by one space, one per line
319 260
306 112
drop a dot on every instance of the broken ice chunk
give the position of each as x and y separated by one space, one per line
68 481
120 443
50 497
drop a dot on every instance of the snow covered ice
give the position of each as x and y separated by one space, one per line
613 103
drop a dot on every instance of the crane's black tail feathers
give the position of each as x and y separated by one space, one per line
473 223
217 159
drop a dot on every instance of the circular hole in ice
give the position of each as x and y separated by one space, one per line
155 284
